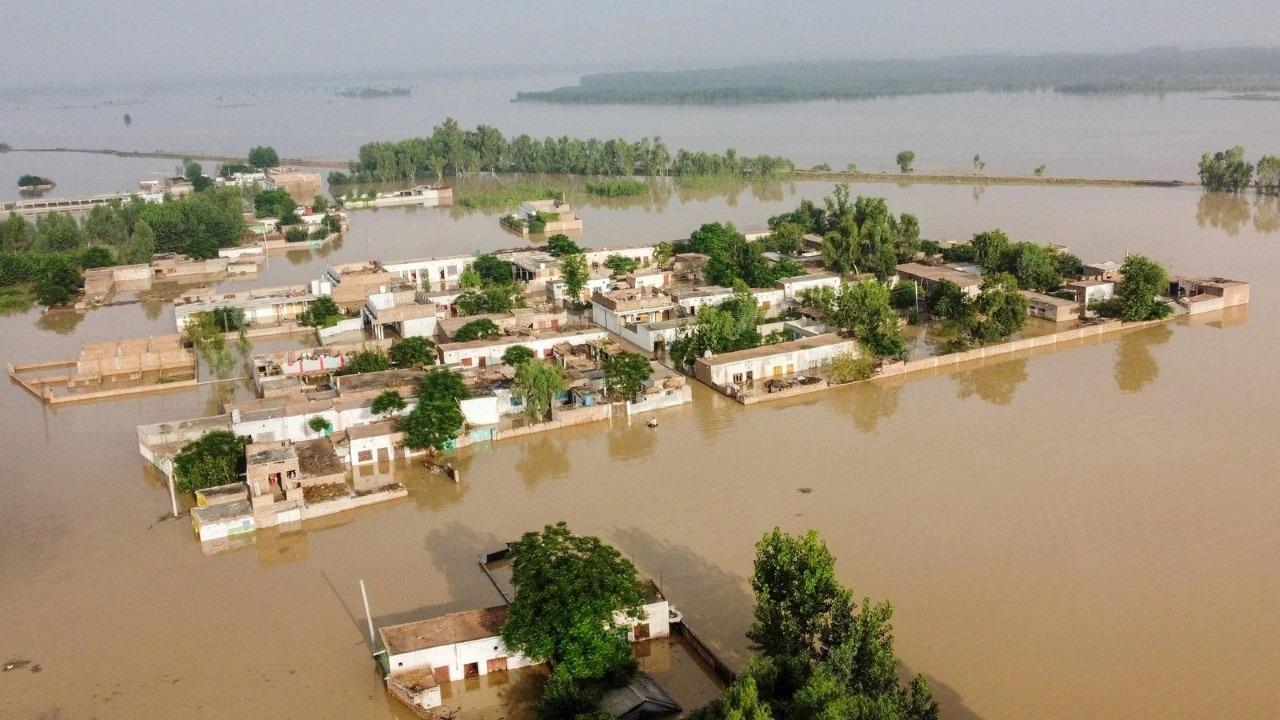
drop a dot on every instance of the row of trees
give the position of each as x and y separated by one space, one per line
732 259
451 150
1228 171
857 236
1035 267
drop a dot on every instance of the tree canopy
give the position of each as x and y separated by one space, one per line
263 156
865 311
436 419
627 373
1225 170
537 384
573 598
1144 279
822 655
365 361
517 355
573 269
480 329
412 352
387 402
861 235
559 245
215 458
322 312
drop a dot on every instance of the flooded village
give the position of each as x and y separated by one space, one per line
708 394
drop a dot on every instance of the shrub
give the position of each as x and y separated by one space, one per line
848 367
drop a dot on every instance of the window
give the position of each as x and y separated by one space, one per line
364 456
466 362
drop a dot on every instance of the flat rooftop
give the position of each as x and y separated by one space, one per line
766 350
938 273
444 630
1042 298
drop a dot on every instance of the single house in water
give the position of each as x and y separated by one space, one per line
771 361
1050 307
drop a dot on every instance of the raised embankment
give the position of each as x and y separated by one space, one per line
926 178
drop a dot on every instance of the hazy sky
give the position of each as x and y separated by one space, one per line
133 40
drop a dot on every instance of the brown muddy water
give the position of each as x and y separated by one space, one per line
1087 533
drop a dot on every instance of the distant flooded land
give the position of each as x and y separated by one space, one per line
1152 71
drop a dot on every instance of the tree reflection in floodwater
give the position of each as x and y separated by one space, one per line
543 458
632 441
867 403
978 192
995 383
1266 215
1135 366
1224 211
62 322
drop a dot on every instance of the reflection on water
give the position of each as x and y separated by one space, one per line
868 403
62 322
978 192
631 440
543 458
1266 215
1136 366
995 383
1224 211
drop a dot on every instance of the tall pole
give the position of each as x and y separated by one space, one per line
368 616
173 496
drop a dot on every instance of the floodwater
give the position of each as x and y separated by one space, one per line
1110 136
1085 533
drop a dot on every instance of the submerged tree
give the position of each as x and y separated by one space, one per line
905 159
626 374
1225 171
537 384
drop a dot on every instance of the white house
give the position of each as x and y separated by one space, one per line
468 644
653 336
480 353
400 312
557 292
771 361
793 286
619 308
643 254
442 272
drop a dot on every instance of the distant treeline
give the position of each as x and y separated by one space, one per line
1157 70
451 150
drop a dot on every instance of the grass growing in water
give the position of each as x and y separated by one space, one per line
507 196
618 188
15 298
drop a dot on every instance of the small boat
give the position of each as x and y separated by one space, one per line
653 422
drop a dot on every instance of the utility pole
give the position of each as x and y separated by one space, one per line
368 616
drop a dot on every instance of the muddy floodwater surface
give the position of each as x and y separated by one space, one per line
1090 532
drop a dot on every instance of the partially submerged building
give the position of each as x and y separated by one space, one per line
1051 307
929 276
772 367
1205 294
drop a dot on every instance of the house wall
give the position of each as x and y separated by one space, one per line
442 272
791 289
492 354
457 655
643 254
761 368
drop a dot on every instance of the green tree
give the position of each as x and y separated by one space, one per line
365 361
58 233
320 425
320 204
443 384
492 270
1000 309
626 374
413 352
905 159
322 312
97 256
16 233
990 249
470 279
801 610
1034 266
1225 171
517 355
1144 279
1039 171
387 402
215 458
296 234
481 329
573 598
978 163
559 245
273 203
740 701
848 367
537 384
1268 182
57 281
573 268
105 225
621 264
192 171
865 311
263 156
432 423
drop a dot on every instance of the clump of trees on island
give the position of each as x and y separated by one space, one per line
821 652
34 182
451 150
1228 171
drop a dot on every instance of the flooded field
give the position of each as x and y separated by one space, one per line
1086 533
